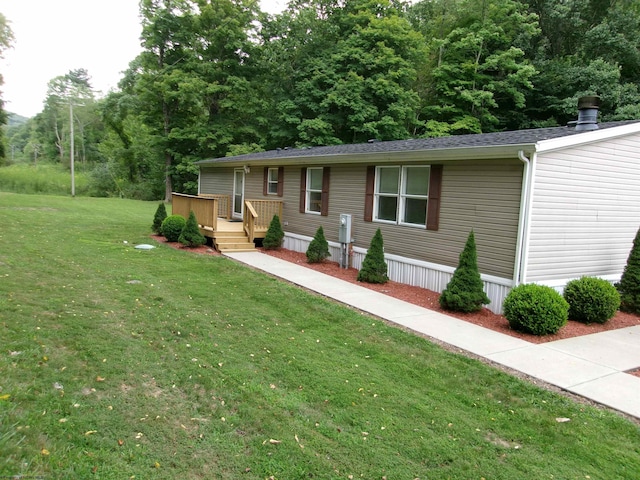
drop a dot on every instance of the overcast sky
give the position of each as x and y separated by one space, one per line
55 36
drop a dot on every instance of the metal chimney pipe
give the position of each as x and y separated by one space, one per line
588 113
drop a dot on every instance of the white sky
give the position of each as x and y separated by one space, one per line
55 36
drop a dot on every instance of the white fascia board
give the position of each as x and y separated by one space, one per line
587 137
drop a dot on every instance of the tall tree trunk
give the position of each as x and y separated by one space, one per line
168 157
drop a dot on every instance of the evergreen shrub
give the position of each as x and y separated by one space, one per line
465 291
158 218
629 285
190 235
591 300
535 309
318 249
273 238
172 227
374 268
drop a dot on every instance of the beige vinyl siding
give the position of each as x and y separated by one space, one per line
217 181
483 196
585 210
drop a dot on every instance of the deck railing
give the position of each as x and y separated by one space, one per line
206 209
258 215
224 204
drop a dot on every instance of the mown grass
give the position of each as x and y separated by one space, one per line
120 363
45 179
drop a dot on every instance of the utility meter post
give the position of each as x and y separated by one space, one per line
344 237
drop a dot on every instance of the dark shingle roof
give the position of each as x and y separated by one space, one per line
496 139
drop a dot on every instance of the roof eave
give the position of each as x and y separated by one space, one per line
425 155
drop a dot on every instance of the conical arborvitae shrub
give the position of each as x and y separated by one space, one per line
629 285
318 249
374 268
191 236
464 292
273 237
158 218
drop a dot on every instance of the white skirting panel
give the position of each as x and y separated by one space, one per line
410 271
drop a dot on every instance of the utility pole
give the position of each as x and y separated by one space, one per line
73 177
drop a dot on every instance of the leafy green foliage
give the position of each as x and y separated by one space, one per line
591 300
535 309
190 235
465 290
629 285
158 218
275 234
318 248
172 227
374 267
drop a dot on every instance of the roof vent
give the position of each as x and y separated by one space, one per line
588 113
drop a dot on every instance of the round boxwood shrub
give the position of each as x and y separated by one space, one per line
591 300
535 309
172 227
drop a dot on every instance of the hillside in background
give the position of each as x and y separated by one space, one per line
14 119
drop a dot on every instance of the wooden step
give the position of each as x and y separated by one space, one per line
234 243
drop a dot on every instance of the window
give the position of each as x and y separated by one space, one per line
313 202
272 182
404 195
314 190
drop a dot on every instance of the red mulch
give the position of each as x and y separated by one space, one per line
429 299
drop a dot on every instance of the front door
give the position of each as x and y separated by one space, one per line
238 193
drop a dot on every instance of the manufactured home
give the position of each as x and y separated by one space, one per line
546 205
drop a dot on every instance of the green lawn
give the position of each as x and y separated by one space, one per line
117 363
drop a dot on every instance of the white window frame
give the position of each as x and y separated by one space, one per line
309 191
400 194
272 183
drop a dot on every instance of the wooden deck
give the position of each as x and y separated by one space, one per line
213 216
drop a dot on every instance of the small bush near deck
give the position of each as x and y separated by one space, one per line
158 218
629 285
273 237
190 235
318 249
172 227
591 300
374 268
535 309
465 290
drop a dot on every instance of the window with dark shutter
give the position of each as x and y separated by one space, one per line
272 181
404 195
314 190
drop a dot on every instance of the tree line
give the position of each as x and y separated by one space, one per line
220 77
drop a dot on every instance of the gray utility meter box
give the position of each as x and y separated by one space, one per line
344 233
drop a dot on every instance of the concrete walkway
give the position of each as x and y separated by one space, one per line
592 366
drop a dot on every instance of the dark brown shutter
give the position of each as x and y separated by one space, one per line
280 181
368 195
324 205
265 182
433 207
303 188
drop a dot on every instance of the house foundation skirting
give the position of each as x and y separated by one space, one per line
410 271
